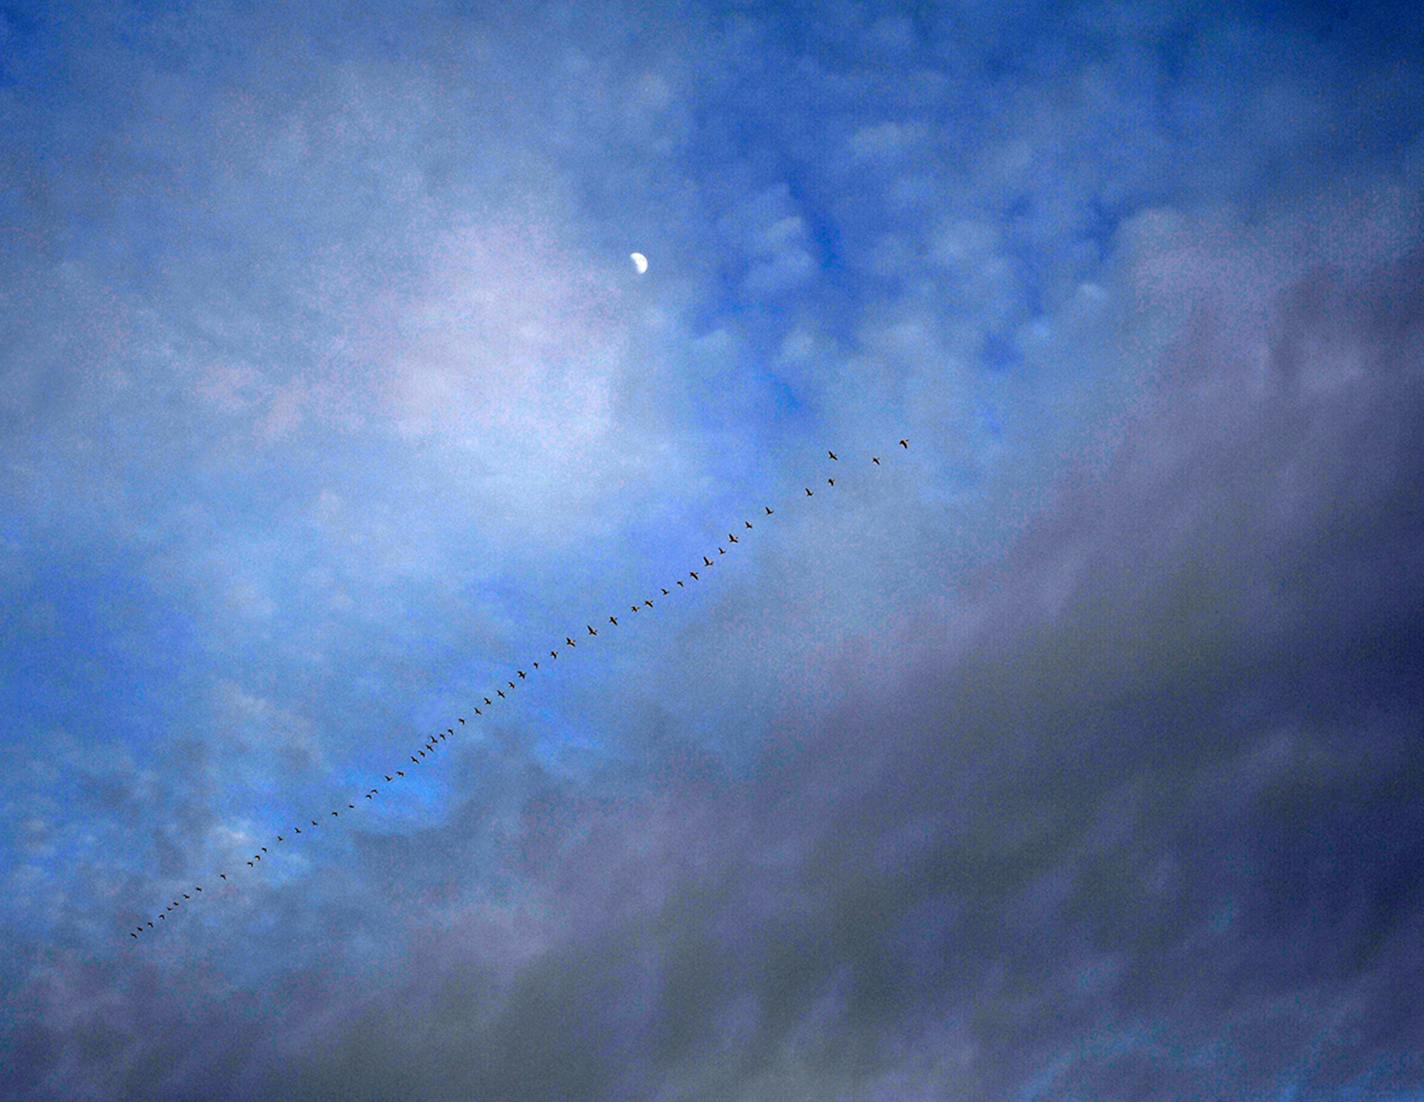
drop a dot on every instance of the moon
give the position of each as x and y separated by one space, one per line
640 262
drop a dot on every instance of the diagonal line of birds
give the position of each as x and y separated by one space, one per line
484 706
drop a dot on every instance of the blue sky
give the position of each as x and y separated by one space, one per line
1071 754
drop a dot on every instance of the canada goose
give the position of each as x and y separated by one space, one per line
833 455
832 481
695 578
590 630
680 585
732 539
648 603
747 523
905 444
665 592
875 459
613 620
706 561
521 674
554 655
808 492
769 510
569 642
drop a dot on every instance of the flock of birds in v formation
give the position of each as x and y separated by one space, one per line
432 744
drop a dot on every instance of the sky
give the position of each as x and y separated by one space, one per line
1070 753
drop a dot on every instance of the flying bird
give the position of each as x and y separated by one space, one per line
536 665
875 459
249 864
421 753
132 935
264 849
569 642
695 578
150 925
314 822
187 896
833 455
400 773
590 630
554 655
198 888
477 712
808 492
732 539
905 444
521 673
633 607
832 481
386 775
769 510
680 585
648 603
299 830
511 684
613 620
368 795
488 701
334 815
706 561
721 550
747 523
500 693
462 721
665 592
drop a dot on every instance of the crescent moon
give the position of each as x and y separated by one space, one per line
640 262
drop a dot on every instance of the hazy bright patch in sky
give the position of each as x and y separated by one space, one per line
1075 753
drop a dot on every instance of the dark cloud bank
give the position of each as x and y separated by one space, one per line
1141 817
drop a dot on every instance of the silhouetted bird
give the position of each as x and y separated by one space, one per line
462 721
695 578
133 935
905 444
150 925
568 642
554 655
875 459
590 630
680 585
706 561
264 849
478 712
314 822
488 700
351 806
223 875
732 539
808 492
511 684
769 510
500 693
832 481
450 730
536 665
299 830
400 773
521 674
747 523
368 795
665 592
633 607
412 761
421 753
613 620
386 775
250 865
721 550
163 917
833 455
187 896
648 603
198 888
334 815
